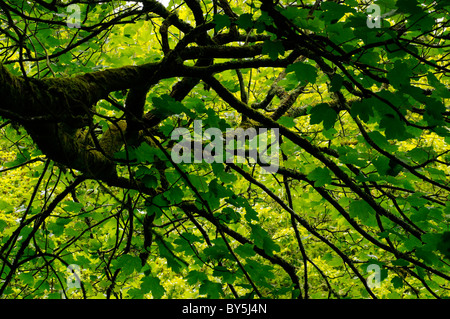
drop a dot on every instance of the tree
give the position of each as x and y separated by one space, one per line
113 185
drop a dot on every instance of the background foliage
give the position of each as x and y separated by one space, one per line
363 179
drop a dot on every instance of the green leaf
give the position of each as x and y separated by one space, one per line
145 153
263 240
54 295
334 11
273 49
434 112
226 276
408 6
245 250
304 72
386 4
263 21
166 105
321 176
351 3
420 214
195 276
397 282
218 190
289 82
400 75
228 215
250 214
221 21
394 128
381 163
233 87
175 195
199 182
400 262
153 285
440 89
418 155
422 23
437 174
128 264
360 209
212 289
5 207
148 176
381 141
426 255
444 244
219 172
71 206
363 109
442 4
218 251
27 278
394 168
245 21
287 121
336 83
323 113
3 225
164 251
21 158
412 243
57 228
160 200
329 133
294 13
259 272
185 241
350 155
358 22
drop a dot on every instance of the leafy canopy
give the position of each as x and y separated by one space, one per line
93 205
